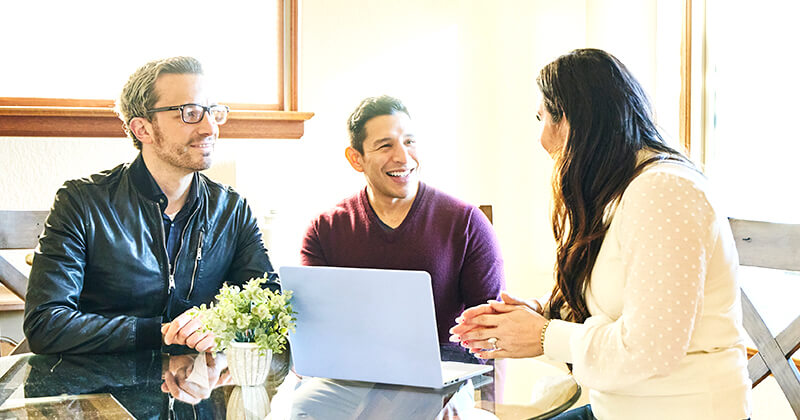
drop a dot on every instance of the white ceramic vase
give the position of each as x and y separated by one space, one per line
246 363
248 403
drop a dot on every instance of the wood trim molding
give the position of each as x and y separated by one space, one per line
293 31
62 117
685 113
280 42
86 121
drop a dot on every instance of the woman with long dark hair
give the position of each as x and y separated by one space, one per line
646 305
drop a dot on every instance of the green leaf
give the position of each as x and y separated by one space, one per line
249 314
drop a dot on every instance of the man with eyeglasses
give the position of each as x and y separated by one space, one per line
126 253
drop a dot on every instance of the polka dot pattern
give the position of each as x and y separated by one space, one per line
666 230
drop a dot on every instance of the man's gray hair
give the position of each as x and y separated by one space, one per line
139 93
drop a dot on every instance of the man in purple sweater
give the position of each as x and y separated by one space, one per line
398 222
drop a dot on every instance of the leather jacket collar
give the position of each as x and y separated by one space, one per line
144 182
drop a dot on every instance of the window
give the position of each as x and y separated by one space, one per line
751 147
743 90
248 50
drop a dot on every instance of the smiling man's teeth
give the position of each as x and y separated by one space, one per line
399 173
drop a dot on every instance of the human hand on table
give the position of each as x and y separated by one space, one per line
178 384
515 324
186 330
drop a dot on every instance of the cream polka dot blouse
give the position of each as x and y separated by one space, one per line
664 339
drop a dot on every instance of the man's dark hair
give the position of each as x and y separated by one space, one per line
368 109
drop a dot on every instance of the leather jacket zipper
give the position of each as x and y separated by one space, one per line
170 274
170 267
196 263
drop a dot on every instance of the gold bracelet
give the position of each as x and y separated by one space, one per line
544 328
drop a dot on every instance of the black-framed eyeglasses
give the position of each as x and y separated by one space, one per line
193 113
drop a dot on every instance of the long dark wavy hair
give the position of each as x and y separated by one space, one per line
610 121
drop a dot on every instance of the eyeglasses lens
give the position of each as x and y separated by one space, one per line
193 113
220 113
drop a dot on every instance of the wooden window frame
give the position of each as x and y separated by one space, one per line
58 117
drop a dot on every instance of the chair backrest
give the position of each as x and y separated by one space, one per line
18 230
776 246
487 210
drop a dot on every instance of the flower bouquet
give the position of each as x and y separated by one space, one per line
249 324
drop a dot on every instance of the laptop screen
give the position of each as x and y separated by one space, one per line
364 324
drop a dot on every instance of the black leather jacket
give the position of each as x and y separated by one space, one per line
100 280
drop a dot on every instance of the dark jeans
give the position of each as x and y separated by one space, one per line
580 413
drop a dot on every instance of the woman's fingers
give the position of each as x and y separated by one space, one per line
503 307
460 329
512 334
507 298
475 311
495 354
475 328
474 322
531 303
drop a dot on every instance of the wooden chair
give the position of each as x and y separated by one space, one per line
775 246
18 230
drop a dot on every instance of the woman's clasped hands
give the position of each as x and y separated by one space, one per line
509 328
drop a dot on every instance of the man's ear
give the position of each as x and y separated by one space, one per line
142 129
354 158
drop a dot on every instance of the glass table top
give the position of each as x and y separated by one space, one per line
154 385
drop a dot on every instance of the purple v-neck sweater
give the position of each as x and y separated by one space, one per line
451 240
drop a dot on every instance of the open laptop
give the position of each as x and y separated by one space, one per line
368 325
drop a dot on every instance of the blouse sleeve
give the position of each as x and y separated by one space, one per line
666 233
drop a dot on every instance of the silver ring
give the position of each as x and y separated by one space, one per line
493 342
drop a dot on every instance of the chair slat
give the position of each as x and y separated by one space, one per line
20 229
15 281
789 342
784 371
768 245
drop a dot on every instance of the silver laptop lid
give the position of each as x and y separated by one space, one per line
364 325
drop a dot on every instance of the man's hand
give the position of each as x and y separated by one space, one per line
178 384
186 331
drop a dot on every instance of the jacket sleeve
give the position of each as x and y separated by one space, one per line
482 274
53 321
251 259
